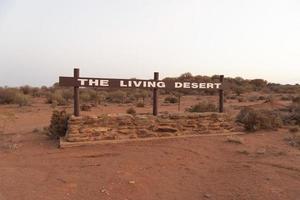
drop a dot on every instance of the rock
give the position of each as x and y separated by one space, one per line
165 134
126 131
131 182
143 133
261 151
235 139
243 151
101 129
207 195
166 129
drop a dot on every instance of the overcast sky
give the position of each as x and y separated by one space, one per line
42 39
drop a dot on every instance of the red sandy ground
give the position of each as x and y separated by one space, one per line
264 167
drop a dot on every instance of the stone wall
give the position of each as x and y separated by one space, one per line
125 126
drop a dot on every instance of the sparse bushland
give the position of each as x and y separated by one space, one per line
13 96
59 124
254 120
203 107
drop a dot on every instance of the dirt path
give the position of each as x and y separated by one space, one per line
264 167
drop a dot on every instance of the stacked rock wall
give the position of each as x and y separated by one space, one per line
125 126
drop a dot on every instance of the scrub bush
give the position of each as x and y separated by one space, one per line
131 111
59 124
254 120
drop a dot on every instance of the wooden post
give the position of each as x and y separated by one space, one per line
179 99
155 95
221 95
76 94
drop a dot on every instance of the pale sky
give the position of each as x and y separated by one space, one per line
43 39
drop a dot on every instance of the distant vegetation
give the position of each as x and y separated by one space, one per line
60 96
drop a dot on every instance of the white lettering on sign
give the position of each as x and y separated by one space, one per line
82 81
178 85
98 82
194 85
93 82
144 84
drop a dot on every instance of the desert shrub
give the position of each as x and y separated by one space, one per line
286 98
140 105
32 91
56 98
59 124
13 96
131 111
238 90
85 107
254 120
296 100
258 84
294 129
21 99
252 98
116 96
242 99
270 99
67 94
25 89
261 98
202 107
7 95
293 117
171 99
294 139
233 97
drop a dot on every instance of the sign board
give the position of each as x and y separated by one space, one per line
76 81
135 83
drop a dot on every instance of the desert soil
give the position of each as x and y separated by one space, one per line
263 167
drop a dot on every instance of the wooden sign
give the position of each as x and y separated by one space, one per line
76 81
135 83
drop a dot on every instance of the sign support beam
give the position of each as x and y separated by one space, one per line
155 95
221 95
76 94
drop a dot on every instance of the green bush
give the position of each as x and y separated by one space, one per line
131 111
59 124
202 107
171 99
254 120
